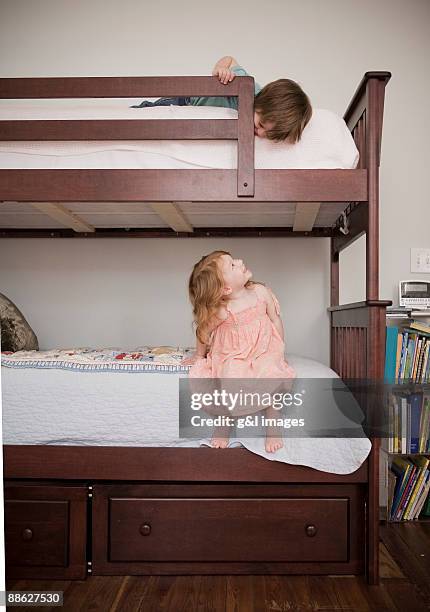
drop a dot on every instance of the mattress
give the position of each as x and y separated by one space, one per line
326 141
138 406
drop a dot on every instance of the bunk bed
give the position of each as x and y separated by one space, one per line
106 510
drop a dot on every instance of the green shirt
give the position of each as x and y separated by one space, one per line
228 101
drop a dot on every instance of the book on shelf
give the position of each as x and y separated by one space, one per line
425 510
409 423
418 325
424 445
403 422
391 489
416 405
410 483
407 354
401 469
422 472
408 495
391 352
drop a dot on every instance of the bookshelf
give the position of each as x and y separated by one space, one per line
405 455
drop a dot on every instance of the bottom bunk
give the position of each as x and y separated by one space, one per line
112 507
89 397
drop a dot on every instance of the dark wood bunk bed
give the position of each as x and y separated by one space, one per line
103 510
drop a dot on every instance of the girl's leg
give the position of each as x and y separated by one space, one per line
220 436
221 433
274 440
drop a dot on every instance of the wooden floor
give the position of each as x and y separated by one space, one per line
405 586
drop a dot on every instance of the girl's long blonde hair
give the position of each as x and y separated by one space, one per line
206 291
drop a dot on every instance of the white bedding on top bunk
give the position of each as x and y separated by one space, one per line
53 406
326 141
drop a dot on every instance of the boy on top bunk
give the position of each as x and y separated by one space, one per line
281 108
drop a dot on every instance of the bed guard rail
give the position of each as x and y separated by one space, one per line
241 129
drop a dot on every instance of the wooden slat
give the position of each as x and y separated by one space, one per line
362 141
173 216
359 305
158 464
180 185
116 129
167 232
304 218
245 149
117 87
64 216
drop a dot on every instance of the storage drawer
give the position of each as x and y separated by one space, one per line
36 532
228 529
224 528
45 531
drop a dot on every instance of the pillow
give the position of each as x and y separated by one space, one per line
16 334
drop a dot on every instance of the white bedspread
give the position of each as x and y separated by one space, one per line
141 409
326 141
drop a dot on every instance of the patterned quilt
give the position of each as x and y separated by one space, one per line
141 359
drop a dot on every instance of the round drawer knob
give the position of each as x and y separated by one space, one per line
311 530
27 534
145 529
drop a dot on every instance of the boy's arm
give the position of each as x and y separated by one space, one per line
223 69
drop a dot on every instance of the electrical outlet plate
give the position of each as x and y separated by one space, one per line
420 261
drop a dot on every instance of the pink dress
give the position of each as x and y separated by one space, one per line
245 345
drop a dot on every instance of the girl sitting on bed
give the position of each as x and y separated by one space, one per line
239 331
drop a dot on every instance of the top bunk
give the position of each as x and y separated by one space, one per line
59 176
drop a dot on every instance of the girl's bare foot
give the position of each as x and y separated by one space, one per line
220 437
272 444
219 442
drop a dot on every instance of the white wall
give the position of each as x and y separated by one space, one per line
326 46
131 292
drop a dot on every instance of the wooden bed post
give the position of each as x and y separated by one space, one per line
358 330
376 344
372 159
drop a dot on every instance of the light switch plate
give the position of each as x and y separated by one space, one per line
420 261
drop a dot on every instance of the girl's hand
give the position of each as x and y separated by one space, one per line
225 75
191 360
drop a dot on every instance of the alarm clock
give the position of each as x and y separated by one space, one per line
414 294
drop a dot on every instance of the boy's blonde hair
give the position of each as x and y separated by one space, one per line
206 291
285 104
